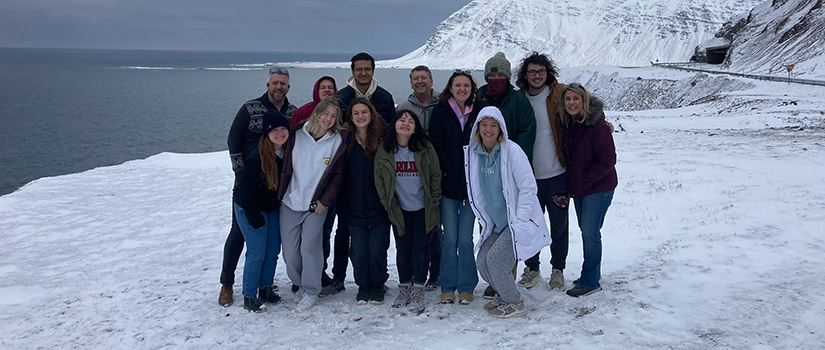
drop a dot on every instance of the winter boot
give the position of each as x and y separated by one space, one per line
416 305
253 304
225 299
268 295
403 295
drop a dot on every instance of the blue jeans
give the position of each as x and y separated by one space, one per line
590 211
458 265
262 247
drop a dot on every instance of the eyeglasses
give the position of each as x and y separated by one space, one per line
362 70
278 70
540 72
463 71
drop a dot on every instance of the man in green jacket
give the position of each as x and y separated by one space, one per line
515 107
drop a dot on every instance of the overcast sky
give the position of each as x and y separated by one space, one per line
379 26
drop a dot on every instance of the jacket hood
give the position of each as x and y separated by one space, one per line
487 112
315 96
596 111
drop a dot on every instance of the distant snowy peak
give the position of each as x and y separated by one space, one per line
778 33
623 32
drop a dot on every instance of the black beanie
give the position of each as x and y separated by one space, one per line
271 120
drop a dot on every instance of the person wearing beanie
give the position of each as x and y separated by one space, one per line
515 108
244 136
257 207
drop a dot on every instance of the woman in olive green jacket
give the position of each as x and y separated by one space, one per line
408 180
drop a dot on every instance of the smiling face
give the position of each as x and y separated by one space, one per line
328 118
489 130
460 88
360 115
277 87
362 72
326 88
278 136
572 103
405 125
420 82
536 76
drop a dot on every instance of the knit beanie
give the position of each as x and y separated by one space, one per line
497 64
271 120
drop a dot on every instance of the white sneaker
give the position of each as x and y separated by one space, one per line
557 279
307 301
529 279
299 295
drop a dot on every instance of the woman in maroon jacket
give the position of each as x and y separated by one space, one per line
591 174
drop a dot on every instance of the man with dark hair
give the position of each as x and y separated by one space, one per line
537 81
244 135
362 84
422 101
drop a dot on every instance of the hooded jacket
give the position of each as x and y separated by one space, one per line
305 111
424 112
518 115
524 216
591 154
380 98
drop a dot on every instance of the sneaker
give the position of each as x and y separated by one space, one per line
225 299
253 304
307 301
268 295
299 295
332 288
579 291
403 296
557 279
508 310
465 298
431 285
490 293
377 295
363 296
448 298
295 288
529 278
493 304
416 305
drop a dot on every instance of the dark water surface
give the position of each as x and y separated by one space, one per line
66 111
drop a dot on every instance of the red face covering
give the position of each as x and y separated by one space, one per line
496 87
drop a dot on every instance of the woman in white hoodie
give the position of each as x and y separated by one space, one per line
502 193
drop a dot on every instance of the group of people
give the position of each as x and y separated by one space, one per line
429 171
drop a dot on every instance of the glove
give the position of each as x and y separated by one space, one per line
255 218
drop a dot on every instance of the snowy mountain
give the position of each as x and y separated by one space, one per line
596 32
778 33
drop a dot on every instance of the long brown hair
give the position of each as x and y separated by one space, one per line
375 129
269 167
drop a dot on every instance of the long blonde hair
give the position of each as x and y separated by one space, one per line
269 166
313 123
578 89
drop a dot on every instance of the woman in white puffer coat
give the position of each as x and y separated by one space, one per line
502 193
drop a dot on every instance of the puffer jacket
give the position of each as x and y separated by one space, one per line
591 154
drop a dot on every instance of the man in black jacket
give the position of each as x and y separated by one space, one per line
362 84
244 135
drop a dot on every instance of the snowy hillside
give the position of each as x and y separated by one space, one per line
596 32
778 33
713 241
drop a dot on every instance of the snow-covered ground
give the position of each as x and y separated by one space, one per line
714 240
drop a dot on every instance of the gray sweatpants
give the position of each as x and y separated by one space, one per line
303 250
495 262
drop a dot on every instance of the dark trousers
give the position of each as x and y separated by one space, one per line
232 250
340 260
368 252
412 255
555 201
436 241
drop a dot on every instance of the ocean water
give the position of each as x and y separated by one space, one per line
67 111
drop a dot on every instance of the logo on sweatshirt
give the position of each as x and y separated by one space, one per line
326 160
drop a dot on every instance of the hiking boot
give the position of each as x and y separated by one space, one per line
253 304
363 296
332 288
377 295
403 296
431 285
579 291
557 279
416 305
307 301
529 278
448 298
493 304
268 295
465 298
225 299
490 293
508 310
